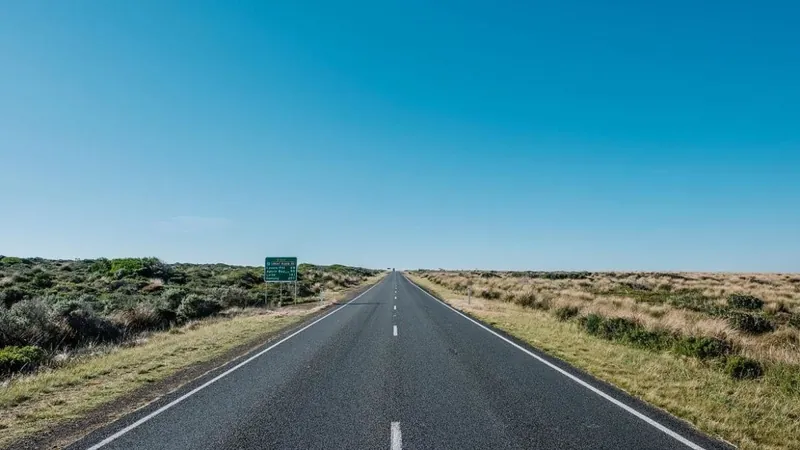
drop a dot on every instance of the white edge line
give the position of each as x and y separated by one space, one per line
597 391
397 436
183 397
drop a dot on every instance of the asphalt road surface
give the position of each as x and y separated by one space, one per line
395 368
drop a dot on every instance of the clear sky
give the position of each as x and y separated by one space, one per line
593 135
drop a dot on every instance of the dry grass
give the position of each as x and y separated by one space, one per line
654 300
32 403
753 414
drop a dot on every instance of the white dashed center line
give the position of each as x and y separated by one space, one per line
397 436
395 307
395 330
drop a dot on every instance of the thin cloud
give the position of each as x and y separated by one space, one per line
192 224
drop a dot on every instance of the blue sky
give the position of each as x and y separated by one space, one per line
523 135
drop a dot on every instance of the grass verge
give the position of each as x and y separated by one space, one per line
752 414
31 404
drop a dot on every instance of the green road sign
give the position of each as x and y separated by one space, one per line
280 270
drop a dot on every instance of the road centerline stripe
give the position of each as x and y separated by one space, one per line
397 436
394 331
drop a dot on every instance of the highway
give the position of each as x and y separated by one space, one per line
395 368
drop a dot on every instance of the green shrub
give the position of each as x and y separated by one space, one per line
12 295
743 301
43 280
173 297
233 296
565 313
85 324
10 260
701 347
741 368
14 358
142 267
750 323
244 278
794 320
196 307
30 322
591 323
648 339
625 330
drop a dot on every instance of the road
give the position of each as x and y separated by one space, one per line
395 368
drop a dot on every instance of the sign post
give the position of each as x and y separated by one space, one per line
281 270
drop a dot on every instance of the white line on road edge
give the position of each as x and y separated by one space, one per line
144 419
597 391
395 330
397 436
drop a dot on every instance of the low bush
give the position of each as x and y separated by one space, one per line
10 260
750 323
10 296
85 324
195 307
743 301
625 330
527 299
591 323
172 297
490 294
145 316
741 368
565 313
701 347
42 280
14 359
30 322
234 297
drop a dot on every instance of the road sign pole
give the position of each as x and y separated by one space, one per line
295 292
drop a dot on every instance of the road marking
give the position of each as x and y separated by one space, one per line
144 419
397 436
664 429
395 330
395 307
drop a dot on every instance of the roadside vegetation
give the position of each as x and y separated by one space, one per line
98 330
52 310
719 350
